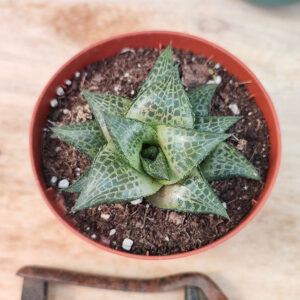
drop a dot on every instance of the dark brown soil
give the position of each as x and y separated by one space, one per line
152 230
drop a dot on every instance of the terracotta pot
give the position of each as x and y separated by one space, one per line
153 39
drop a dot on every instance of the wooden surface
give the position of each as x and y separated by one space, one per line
262 262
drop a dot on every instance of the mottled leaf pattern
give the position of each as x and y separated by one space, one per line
193 195
79 184
160 70
164 103
200 98
214 124
185 148
129 136
165 137
109 103
87 136
112 104
224 162
111 180
158 167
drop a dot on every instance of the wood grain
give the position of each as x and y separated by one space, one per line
36 37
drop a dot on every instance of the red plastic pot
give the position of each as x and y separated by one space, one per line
153 39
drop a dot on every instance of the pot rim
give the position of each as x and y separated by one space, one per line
234 66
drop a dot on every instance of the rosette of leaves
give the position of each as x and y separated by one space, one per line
163 146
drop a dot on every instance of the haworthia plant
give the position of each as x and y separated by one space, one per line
163 146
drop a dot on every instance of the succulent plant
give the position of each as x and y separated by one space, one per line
163 146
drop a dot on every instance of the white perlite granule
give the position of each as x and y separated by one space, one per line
127 244
137 201
60 91
210 82
117 88
217 66
68 82
77 74
218 79
53 179
93 236
224 204
124 50
234 108
63 184
167 239
53 103
105 216
112 232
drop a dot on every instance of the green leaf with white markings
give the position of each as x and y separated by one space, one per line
87 137
225 162
160 70
111 180
184 149
129 136
79 184
200 98
193 195
155 165
164 103
214 124
112 104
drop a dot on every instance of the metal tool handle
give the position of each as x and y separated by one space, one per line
206 287
193 293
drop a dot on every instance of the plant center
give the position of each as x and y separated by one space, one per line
149 151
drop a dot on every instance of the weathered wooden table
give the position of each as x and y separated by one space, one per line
262 262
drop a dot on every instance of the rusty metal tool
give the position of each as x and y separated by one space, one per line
197 286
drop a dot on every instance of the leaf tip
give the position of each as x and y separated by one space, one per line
225 215
225 136
87 95
74 209
255 175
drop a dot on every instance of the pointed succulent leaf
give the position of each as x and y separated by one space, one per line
184 149
164 103
200 98
162 66
156 167
111 180
87 137
129 136
79 184
108 103
225 162
214 124
193 195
